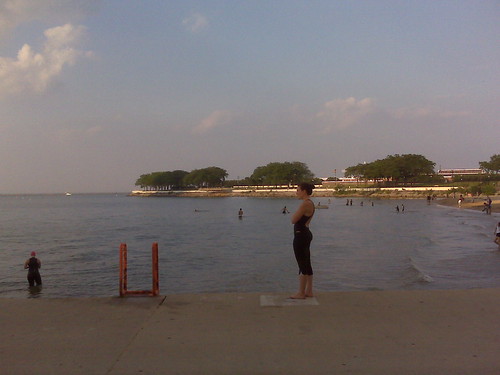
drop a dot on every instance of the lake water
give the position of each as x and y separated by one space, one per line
205 247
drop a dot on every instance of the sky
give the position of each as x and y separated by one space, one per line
94 93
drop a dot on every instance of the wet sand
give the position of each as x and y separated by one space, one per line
472 203
377 332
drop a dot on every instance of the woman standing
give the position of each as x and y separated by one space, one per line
302 240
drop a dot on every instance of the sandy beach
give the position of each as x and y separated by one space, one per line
472 203
377 332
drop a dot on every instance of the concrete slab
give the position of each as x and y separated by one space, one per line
277 300
68 336
375 333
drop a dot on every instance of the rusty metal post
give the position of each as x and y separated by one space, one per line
123 274
123 269
156 282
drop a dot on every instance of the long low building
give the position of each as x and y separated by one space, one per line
450 173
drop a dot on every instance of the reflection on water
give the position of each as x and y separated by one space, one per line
34 291
205 247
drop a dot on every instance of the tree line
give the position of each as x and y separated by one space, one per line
412 168
287 173
407 168
179 179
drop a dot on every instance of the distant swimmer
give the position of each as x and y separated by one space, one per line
497 234
33 264
285 210
240 213
402 207
397 208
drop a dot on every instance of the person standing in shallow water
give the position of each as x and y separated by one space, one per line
33 265
302 240
497 234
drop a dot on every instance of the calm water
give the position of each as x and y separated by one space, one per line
354 248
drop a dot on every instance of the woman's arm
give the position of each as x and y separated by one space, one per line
306 208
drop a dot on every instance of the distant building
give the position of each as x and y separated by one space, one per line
345 180
448 174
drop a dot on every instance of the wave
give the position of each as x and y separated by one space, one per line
415 274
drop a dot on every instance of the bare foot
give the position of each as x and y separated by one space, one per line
309 295
298 296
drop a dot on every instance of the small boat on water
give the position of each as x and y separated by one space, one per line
68 194
321 206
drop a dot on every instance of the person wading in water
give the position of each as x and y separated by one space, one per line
33 264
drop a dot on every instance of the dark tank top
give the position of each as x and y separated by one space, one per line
33 265
301 223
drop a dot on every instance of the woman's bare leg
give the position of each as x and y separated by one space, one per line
309 286
301 294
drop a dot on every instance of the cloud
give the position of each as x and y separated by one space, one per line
13 12
195 23
33 71
16 12
342 113
345 113
215 119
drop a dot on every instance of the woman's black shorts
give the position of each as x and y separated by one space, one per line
301 247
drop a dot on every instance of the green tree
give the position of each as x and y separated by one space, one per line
488 189
281 173
412 166
176 178
144 181
394 167
206 177
161 180
358 171
492 166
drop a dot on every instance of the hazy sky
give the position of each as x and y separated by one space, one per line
95 93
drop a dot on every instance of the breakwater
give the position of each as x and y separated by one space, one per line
269 192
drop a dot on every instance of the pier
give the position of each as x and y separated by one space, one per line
373 333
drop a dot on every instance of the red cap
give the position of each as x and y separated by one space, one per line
33 254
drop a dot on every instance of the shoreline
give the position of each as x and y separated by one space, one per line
476 203
441 197
388 193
